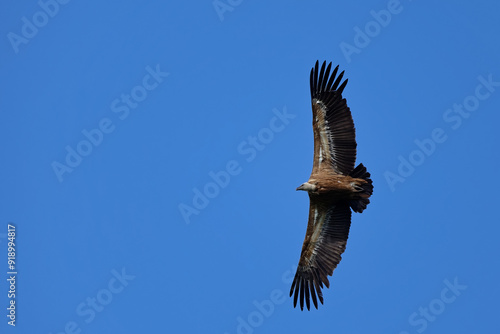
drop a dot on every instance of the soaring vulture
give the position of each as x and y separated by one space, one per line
335 187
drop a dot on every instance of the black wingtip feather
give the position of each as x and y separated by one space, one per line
306 286
325 77
337 82
296 294
311 83
321 77
332 77
316 66
301 294
313 295
341 88
293 285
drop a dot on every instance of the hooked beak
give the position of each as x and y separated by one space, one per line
301 187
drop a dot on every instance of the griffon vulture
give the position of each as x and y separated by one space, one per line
334 187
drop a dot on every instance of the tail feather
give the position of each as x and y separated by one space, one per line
359 204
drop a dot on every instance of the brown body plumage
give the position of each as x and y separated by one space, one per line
335 187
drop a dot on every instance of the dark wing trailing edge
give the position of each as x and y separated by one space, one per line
326 238
334 134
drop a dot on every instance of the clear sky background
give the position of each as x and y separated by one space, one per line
150 155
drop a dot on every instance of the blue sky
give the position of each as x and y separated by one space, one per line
151 154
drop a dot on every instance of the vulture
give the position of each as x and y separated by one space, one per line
335 187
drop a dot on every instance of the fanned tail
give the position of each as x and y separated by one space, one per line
359 204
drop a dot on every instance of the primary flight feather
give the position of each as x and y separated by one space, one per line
334 187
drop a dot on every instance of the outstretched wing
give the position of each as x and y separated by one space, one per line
334 134
326 238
